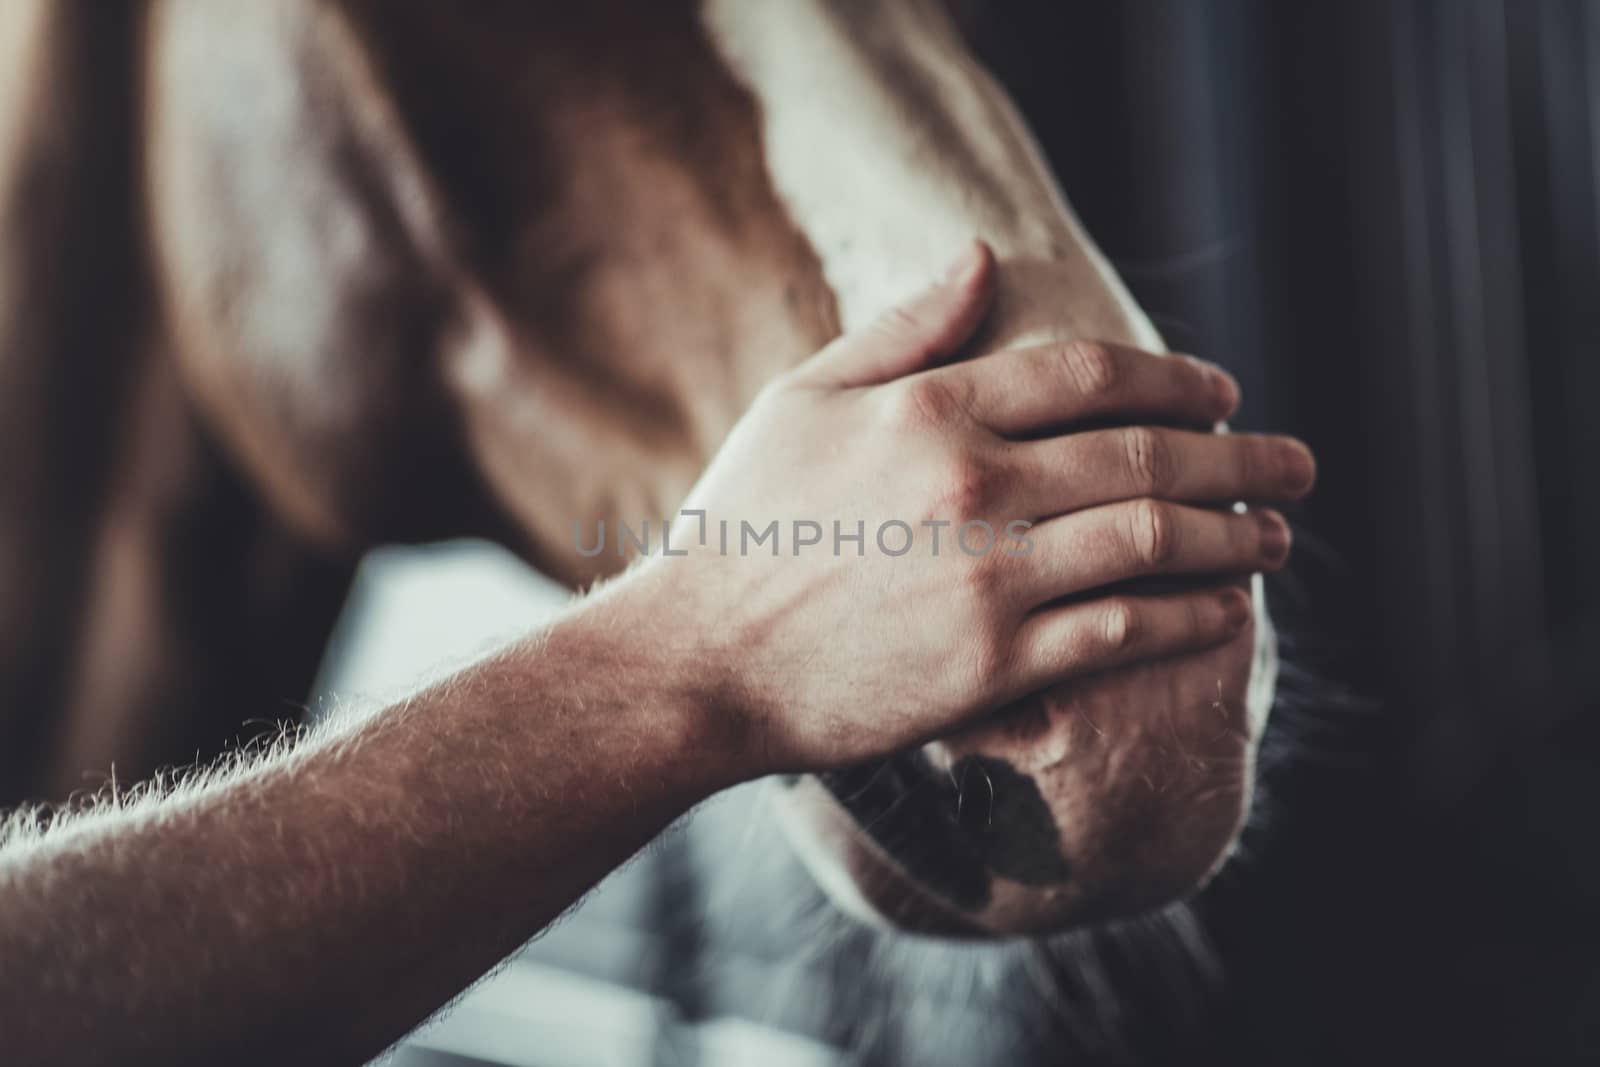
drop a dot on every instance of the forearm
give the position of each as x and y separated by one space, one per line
383 866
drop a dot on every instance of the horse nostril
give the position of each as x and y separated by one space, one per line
1012 827
974 798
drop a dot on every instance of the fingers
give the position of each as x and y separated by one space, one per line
1139 538
917 334
1067 641
1053 476
1029 390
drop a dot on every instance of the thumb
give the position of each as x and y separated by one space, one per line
917 333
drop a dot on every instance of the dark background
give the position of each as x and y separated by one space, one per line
1382 216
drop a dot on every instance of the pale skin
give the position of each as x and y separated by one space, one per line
317 903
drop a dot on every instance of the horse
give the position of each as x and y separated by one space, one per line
282 282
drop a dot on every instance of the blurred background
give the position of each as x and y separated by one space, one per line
1384 217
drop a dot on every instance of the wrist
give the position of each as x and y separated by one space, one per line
649 637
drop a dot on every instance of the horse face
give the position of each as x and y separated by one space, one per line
517 271
1102 798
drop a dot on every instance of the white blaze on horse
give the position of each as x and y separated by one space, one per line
391 271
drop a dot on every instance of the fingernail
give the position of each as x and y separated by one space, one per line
964 266
1274 536
1299 466
1236 608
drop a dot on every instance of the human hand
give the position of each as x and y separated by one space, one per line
835 651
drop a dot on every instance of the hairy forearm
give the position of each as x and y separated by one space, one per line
381 865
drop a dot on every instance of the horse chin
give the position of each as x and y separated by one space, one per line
1114 797
870 885
861 879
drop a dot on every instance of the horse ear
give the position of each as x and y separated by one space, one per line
920 333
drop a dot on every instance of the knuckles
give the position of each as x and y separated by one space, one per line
968 486
1091 368
1121 626
983 660
926 402
1152 533
986 575
1148 454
